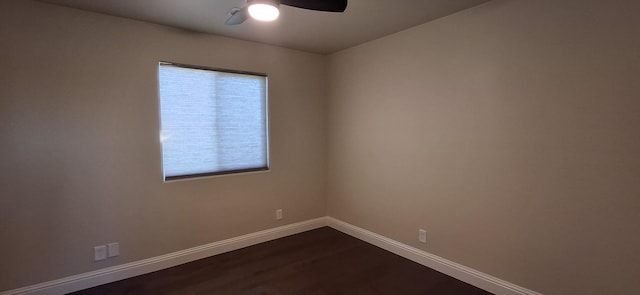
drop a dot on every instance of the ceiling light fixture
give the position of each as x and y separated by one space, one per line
264 10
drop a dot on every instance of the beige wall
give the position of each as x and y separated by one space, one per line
509 131
79 143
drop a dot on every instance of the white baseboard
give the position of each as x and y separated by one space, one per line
116 273
120 272
450 268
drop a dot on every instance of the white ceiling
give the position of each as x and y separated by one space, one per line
312 31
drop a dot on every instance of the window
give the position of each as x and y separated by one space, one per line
212 121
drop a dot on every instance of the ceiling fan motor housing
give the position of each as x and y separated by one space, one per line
239 15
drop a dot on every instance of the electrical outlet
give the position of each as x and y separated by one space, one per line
99 252
113 249
279 214
422 236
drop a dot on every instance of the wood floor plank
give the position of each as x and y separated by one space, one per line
318 262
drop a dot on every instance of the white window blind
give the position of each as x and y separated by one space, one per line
212 122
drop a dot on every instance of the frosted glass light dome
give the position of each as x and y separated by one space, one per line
264 10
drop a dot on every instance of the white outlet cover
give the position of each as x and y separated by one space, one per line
422 236
99 253
113 249
279 214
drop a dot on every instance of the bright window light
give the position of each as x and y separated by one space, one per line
212 122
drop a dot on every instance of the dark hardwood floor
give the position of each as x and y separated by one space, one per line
318 262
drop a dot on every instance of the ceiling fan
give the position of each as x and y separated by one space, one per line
268 10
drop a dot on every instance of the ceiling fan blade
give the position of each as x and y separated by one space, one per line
321 5
237 16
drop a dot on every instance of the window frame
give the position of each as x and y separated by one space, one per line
194 176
